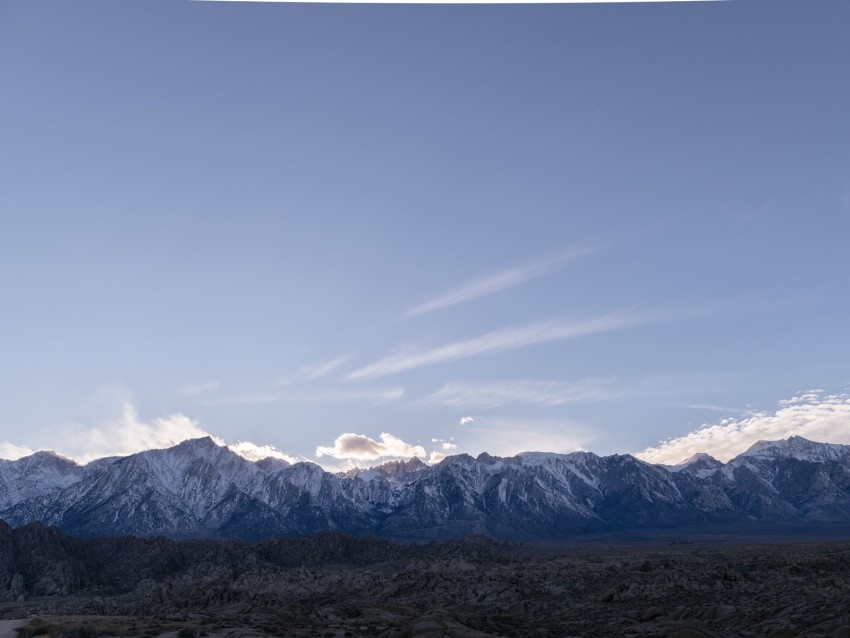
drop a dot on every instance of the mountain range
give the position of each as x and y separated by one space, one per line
201 489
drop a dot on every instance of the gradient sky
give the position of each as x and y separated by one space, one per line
569 226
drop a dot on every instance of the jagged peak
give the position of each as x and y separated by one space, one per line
204 446
307 466
390 469
699 456
487 459
696 458
796 447
457 459
762 445
412 464
700 464
536 458
793 442
272 463
46 456
201 443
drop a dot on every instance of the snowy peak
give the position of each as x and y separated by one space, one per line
796 447
46 459
272 464
700 464
200 488
34 475
203 446
536 458
401 471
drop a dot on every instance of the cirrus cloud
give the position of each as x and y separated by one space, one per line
511 338
496 282
495 394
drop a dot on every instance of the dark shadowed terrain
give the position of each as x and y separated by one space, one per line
337 585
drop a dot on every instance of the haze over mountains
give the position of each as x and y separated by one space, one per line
199 489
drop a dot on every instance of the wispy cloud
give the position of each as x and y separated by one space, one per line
499 281
323 369
487 395
359 447
495 394
320 395
812 415
202 387
511 339
314 371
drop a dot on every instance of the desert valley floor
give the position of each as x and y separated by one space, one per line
338 586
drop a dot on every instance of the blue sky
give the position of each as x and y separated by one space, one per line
581 226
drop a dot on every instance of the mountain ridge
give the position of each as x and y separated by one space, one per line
201 489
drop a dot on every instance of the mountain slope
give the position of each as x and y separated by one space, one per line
198 488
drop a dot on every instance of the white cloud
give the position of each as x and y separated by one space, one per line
360 447
510 339
254 452
435 457
494 394
466 420
194 389
496 282
125 433
12 452
812 415
448 446
129 434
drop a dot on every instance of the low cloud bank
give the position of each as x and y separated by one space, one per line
813 415
125 434
254 452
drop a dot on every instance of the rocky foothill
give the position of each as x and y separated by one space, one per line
336 585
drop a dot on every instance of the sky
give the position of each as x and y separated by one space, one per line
350 233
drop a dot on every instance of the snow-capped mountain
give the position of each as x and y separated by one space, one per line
34 476
796 447
700 464
198 488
